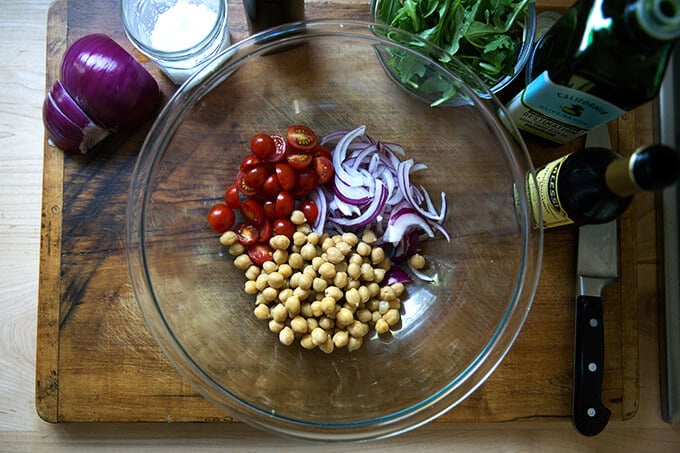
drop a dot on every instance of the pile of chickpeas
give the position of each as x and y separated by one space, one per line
322 290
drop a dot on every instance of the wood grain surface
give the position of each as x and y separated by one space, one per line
96 360
22 88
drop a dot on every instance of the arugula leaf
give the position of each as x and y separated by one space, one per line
486 35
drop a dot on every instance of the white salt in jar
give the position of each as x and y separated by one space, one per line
178 35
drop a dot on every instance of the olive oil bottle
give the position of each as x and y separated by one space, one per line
601 59
596 185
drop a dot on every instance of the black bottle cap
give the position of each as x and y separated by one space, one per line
654 167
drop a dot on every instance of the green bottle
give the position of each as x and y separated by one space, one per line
601 59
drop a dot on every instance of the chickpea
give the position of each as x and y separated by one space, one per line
228 238
396 303
340 280
305 281
279 242
353 284
340 338
309 271
354 343
308 252
334 255
250 287
417 261
284 294
297 217
317 261
326 323
334 292
261 282
261 312
350 239
355 258
276 326
279 313
354 271
369 237
306 309
313 238
364 293
293 306
317 308
299 238
387 293
319 285
269 266
299 324
328 346
367 273
327 305
242 262
375 316
252 272
275 280
372 305
306 341
352 297
285 270
269 294
304 229
312 323
327 243
286 336
363 249
357 329
344 317
392 316
377 255
280 256
378 274
344 248
236 249
296 261
381 326
319 336
303 294
327 271
385 265
374 288
398 289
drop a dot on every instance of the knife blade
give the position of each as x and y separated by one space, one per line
597 268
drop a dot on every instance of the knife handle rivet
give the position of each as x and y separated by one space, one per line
591 412
593 322
592 366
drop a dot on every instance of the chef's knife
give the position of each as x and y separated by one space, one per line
597 266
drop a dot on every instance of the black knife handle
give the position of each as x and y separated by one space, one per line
589 415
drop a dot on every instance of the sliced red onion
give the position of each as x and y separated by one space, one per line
396 275
111 87
402 221
67 126
370 212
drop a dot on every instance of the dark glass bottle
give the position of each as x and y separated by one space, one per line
599 60
264 14
596 185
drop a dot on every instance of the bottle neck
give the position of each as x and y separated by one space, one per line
658 19
619 178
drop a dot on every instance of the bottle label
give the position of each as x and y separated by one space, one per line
544 194
558 113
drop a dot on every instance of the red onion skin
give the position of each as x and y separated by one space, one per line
111 87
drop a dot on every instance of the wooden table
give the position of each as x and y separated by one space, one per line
21 168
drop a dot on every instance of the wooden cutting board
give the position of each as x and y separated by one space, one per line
96 361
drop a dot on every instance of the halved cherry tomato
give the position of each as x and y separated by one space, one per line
260 253
324 169
269 208
271 186
249 162
265 231
263 146
301 138
255 177
299 160
320 150
310 210
242 186
231 197
221 218
285 227
307 179
252 211
246 233
281 147
285 203
286 176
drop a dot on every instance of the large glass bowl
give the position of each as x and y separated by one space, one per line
454 331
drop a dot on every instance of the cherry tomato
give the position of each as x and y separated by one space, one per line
249 162
242 186
260 253
252 211
265 231
271 186
231 197
285 227
281 147
255 177
301 138
320 150
286 176
269 208
285 203
307 179
263 146
324 169
310 210
221 218
299 160
246 233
